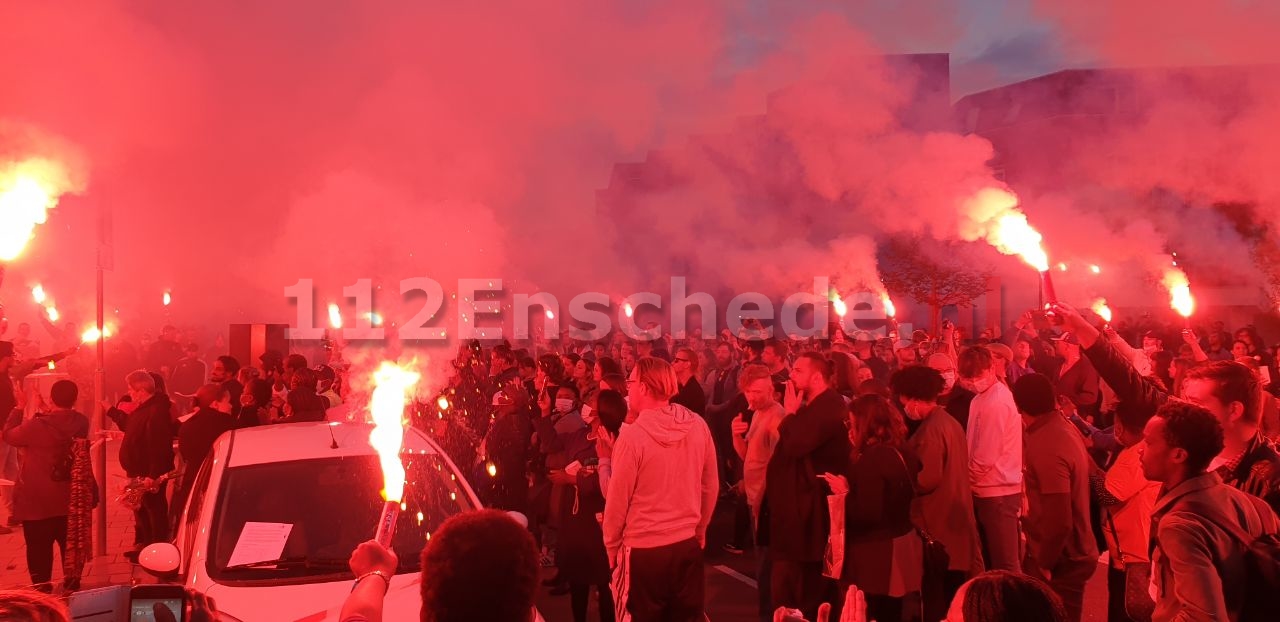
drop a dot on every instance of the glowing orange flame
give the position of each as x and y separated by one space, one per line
1062 267
91 334
335 316
551 314
889 309
1100 307
38 294
994 216
28 190
443 403
492 469
1179 292
837 303
52 313
1095 269
626 308
167 299
391 385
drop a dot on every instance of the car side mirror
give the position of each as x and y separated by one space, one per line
160 559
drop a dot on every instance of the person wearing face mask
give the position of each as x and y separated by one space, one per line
943 506
198 432
561 437
995 458
954 398
580 556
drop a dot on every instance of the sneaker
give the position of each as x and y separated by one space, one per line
731 548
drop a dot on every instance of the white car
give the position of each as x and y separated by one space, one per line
275 512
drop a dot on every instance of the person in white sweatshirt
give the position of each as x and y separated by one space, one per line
995 459
659 503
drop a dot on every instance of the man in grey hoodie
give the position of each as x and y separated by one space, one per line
659 503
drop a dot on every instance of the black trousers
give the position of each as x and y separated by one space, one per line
801 585
667 583
151 521
578 595
40 536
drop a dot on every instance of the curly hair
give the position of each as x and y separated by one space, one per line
480 565
1194 430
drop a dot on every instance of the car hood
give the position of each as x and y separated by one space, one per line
312 602
316 602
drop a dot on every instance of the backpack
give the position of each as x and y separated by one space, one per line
60 471
1262 566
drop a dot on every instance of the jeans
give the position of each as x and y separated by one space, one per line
998 526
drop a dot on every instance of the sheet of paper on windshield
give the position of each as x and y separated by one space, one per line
260 542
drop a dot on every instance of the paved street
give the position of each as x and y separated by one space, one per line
113 569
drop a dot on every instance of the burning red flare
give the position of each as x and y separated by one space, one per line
392 384
28 190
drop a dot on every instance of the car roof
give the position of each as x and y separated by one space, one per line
285 442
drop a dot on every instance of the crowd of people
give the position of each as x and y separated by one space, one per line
936 477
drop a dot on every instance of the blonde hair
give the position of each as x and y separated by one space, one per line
141 380
657 377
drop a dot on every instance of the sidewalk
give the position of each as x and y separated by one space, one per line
112 569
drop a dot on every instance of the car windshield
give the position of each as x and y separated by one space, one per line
322 509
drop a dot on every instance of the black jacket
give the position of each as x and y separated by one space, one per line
691 396
147 449
811 442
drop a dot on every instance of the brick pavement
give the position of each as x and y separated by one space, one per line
112 569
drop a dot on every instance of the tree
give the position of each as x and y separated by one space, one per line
937 279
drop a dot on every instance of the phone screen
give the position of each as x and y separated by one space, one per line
144 609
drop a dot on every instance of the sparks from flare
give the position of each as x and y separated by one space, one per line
443 403
167 299
551 314
28 190
1095 269
627 309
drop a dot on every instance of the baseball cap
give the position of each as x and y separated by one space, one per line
1001 350
1068 337
324 372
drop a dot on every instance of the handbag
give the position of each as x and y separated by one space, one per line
936 559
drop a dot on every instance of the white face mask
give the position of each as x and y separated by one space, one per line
564 405
949 380
587 415
979 385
